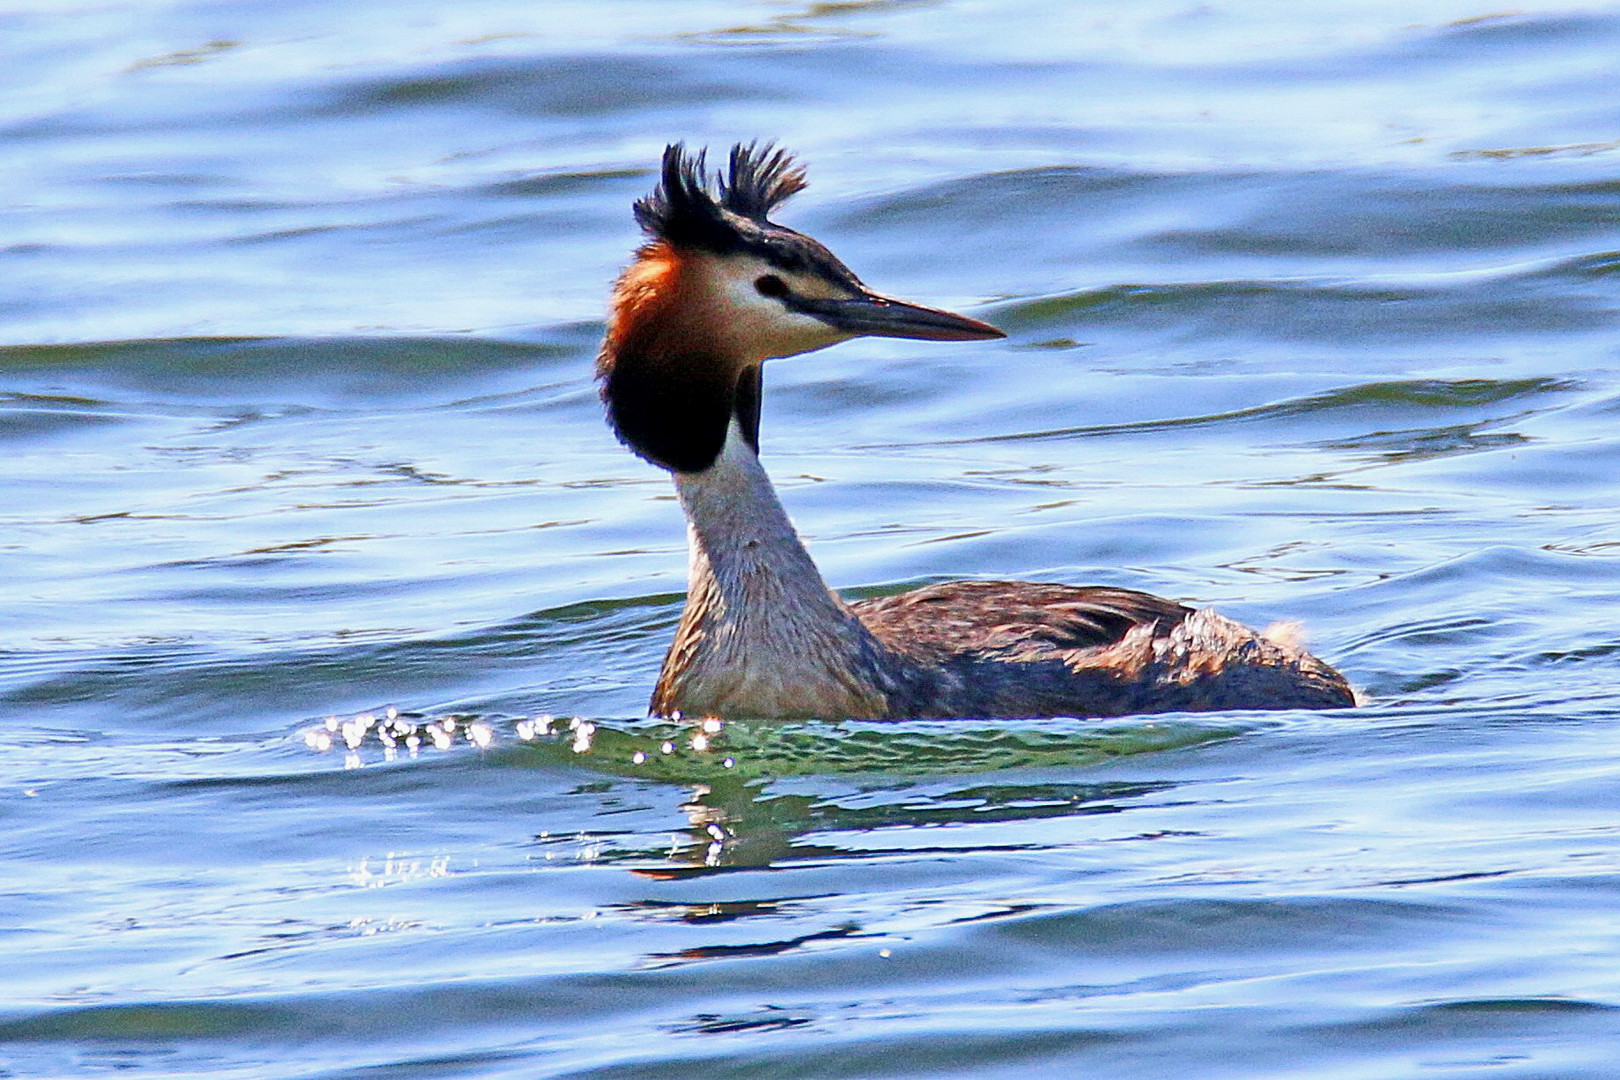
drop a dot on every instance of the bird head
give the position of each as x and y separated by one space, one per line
717 289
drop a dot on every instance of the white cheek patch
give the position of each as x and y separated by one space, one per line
764 326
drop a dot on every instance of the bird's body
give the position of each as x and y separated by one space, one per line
717 291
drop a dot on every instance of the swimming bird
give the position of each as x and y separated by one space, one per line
715 291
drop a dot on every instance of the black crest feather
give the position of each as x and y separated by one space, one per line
689 208
762 178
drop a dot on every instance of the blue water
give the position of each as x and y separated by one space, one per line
1312 317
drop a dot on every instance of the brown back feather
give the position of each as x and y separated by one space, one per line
991 616
1013 648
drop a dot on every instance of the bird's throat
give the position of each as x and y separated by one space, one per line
761 634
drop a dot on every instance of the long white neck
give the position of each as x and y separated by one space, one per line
761 634
738 530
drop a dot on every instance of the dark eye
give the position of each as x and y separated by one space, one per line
772 286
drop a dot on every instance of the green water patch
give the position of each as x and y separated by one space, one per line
549 185
316 371
779 794
25 417
1493 1018
578 85
1314 310
1200 925
1423 444
1404 397
742 751
728 751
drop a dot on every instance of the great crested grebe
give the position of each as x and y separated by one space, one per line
715 291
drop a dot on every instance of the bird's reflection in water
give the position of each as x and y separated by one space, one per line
738 824
774 794
782 811
771 794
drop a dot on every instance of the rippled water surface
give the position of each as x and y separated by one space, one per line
1312 316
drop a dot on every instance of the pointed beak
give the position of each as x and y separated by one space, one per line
872 315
